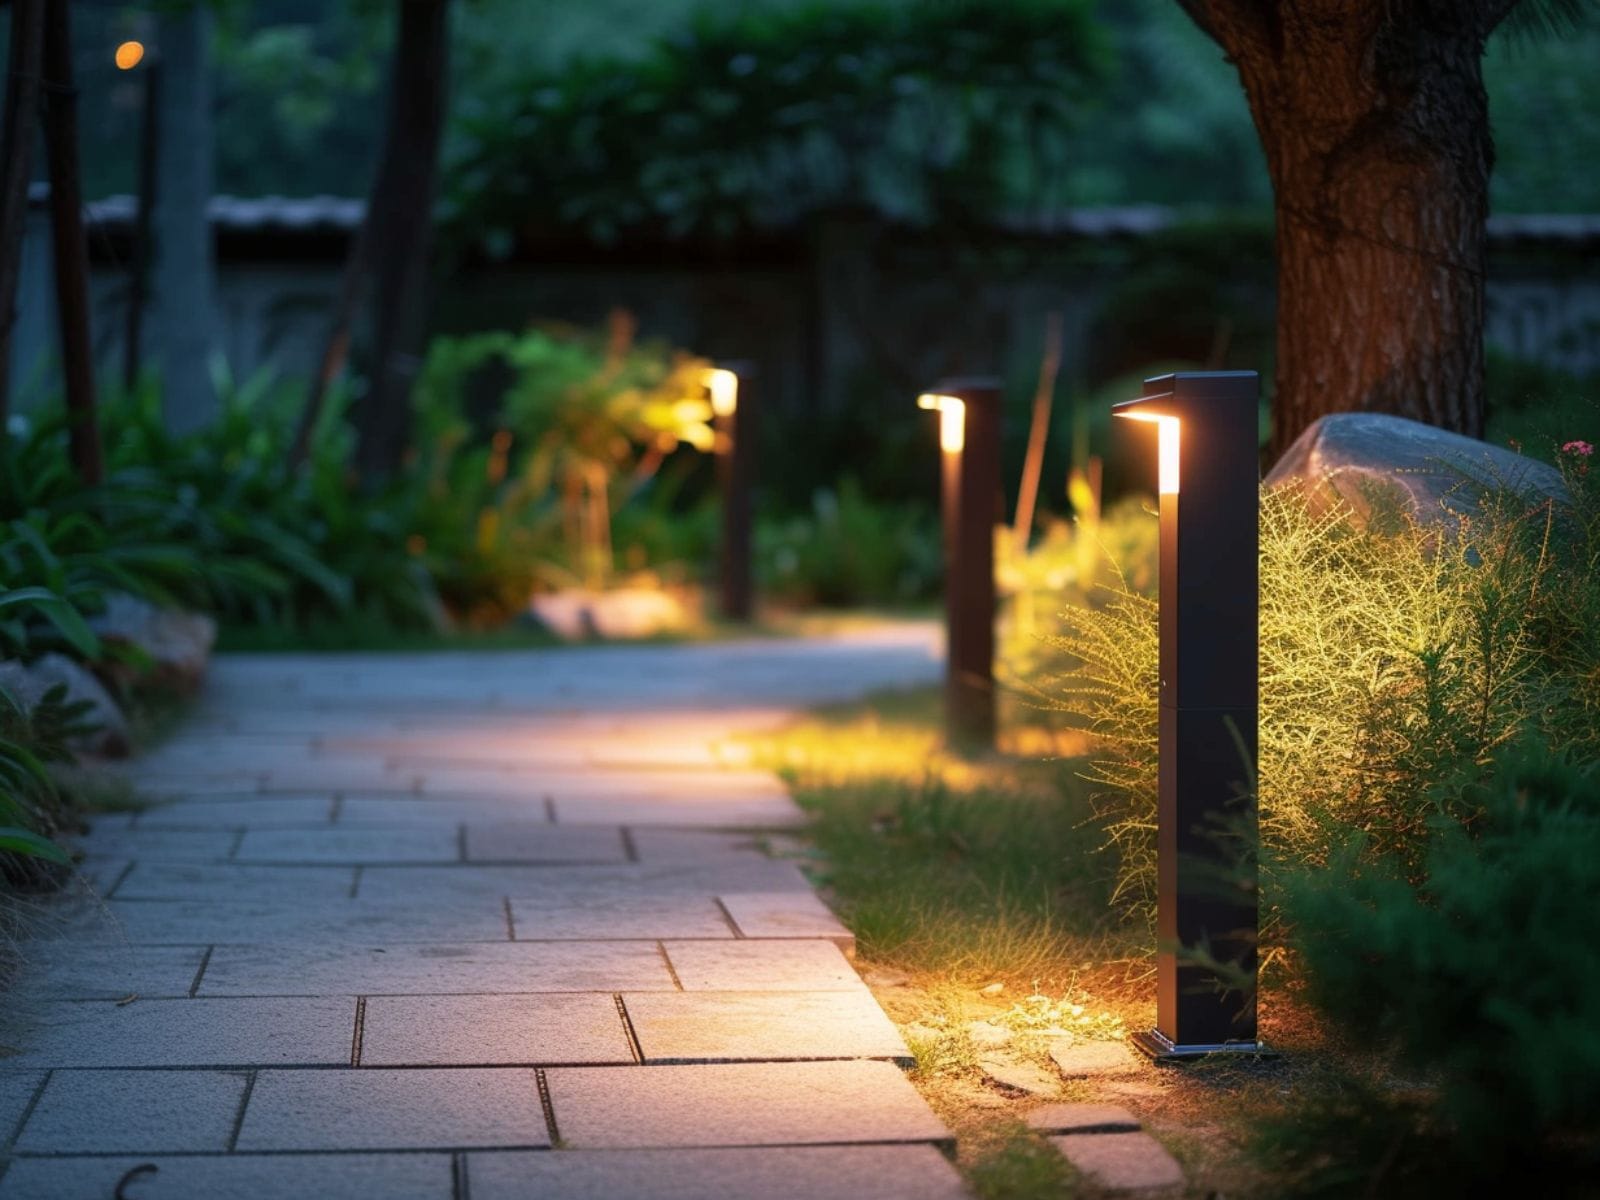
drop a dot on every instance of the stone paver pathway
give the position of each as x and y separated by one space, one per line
452 925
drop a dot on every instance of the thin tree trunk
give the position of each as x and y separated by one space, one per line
336 343
139 268
402 216
1038 432
71 248
16 162
1375 124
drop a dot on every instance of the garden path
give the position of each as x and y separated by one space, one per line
467 923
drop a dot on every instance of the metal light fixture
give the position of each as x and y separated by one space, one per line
729 387
969 436
1206 916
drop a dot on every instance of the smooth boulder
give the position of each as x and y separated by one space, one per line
177 644
1368 459
28 684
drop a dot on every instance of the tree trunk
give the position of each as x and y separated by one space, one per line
16 163
1375 124
336 342
183 320
401 212
70 247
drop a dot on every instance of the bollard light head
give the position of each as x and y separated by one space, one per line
723 385
952 412
128 55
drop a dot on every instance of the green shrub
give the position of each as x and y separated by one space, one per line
850 551
1485 977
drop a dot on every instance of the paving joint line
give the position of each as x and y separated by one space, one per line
627 1028
244 1103
460 1185
671 970
360 1029
122 875
728 917
550 809
205 961
511 920
355 879
549 1109
461 842
238 841
628 846
27 1111
335 808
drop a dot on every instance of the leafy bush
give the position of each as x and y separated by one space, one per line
1483 978
761 116
850 551
583 425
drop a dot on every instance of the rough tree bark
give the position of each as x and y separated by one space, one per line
1375 124
16 165
70 248
400 212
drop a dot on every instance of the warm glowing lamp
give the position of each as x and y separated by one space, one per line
723 385
1206 913
734 419
128 55
952 412
969 436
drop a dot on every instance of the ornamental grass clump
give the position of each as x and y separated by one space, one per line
1397 656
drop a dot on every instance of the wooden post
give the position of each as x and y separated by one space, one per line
1210 613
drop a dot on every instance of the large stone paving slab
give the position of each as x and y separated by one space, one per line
162 845
784 915
755 1104
676 1027
539 843
223 1177
435 968
184 922
134 1112
768 1173
230 883
595 916
107 972
428 1031
376 1109
352 846
182 1033
258 812
762 966
709 812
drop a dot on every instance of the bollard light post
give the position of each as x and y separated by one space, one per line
969 443
733 415
1206 917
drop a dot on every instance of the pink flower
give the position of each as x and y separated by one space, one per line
1580 448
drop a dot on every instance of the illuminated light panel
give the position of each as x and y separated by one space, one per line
952 412
129 55
724 387
1166 449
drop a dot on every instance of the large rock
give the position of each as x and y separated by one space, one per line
1369 459
28 684
621 613
178 644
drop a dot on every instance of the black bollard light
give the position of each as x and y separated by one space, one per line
1206 916
733 417
969 439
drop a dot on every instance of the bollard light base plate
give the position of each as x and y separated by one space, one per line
1163 1049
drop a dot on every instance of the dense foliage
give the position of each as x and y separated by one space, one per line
755 119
